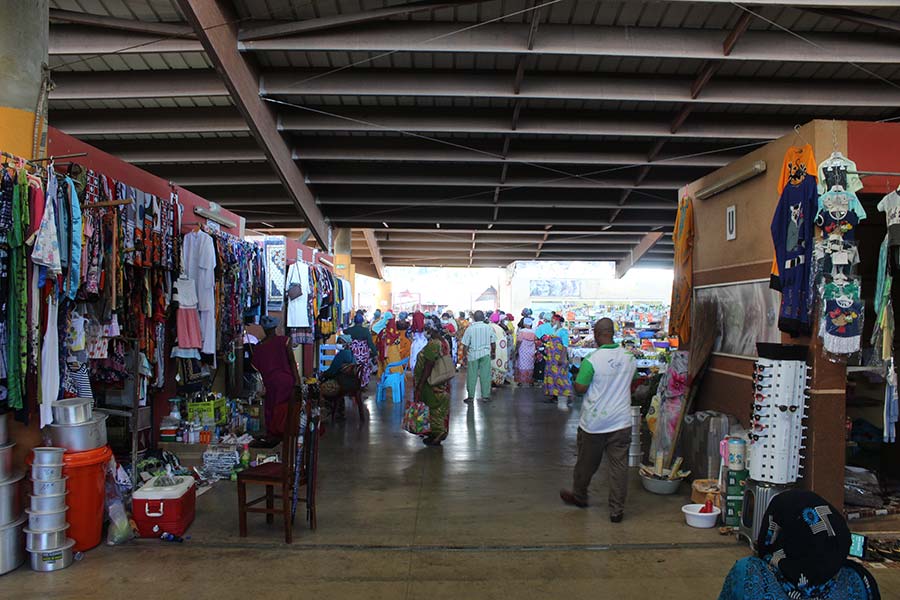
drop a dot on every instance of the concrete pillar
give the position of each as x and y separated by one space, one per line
24 36
343 241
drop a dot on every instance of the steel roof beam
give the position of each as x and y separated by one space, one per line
387 233
433 83
225 119
452 220
638 252
374 252
276 30
560 181
589 40
182 30
208 18
548 204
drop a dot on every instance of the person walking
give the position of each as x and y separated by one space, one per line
274 359
605 426
480 346
525 349
437 397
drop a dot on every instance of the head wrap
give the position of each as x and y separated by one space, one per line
403 315
526 312
269 322
380 325
418 322
359 319
510 317
495 317
804 538
344 338
527 321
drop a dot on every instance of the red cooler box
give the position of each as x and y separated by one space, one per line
159 509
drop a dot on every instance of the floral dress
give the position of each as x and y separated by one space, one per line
556 369
436 397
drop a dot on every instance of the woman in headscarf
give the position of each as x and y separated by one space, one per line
499 365
362 346
340 378
418 337
436 397
556 369
387 342
461 352
405 340
274 359
801 553
451 328
525 349
511 345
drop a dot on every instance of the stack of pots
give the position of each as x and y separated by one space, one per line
12 520
75 427
635 455
46 539
79 432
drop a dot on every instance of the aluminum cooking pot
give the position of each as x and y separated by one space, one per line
80 437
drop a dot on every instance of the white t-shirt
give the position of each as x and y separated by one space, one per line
608 373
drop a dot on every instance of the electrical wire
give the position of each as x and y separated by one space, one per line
815 45
427 41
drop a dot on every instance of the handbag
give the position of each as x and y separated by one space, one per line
416 418
294 291
443 371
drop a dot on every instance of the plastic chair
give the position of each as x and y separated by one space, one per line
396 381
327 352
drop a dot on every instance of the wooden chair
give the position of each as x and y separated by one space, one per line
281 475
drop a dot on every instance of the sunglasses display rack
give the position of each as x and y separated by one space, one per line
777 430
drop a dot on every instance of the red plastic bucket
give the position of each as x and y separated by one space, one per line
87 495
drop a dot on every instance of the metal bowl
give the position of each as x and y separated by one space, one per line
72 411
46 472
52 560
45 540
48 503
48 487
46 455
10 499
6 453
81 437
664 487
47 521
12 548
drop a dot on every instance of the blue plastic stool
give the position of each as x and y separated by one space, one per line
327 352
396 381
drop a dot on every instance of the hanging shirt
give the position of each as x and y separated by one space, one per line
298 308
842 316
792 236
838 170
890 206
74 277
798 163
199 263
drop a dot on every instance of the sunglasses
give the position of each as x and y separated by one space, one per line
785 408
756 437
760 426
760 388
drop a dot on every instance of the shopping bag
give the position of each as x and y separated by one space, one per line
416 418
443 371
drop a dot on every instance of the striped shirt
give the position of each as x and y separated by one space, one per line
478 339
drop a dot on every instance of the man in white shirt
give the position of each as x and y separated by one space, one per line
605 380
480 344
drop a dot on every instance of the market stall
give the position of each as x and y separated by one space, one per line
820 201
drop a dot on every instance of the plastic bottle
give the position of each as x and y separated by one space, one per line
245 456
171 537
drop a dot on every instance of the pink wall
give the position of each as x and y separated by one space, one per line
59 143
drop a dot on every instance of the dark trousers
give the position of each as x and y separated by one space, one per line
591 447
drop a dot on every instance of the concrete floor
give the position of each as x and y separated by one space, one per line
478 518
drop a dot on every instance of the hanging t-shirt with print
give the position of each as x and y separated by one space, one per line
890 206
